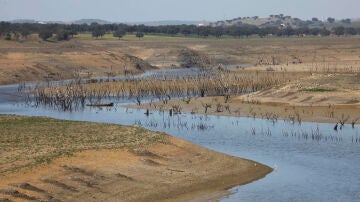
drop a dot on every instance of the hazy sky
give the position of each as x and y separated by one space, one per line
153 10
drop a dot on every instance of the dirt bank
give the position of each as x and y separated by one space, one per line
165 169
33 61
38 60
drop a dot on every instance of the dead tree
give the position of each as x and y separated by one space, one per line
206 106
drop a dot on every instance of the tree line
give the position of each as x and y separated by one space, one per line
14 31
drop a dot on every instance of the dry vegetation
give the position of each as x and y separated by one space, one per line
316 97
208 83
28 141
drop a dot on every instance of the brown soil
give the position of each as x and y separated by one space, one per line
177 170
34 60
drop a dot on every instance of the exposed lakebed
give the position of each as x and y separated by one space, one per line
312 161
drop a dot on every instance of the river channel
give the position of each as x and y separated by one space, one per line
311 161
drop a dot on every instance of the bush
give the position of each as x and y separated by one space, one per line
45 34
8 37
62 35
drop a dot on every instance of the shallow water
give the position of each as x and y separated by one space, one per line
312 162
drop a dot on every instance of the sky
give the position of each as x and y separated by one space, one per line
157 10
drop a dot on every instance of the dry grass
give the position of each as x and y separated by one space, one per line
27 141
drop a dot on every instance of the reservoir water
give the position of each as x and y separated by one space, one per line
311 161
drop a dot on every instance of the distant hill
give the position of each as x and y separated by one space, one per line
272 20
81 21
35 21
278 20
100 21
23 21
89 21
166 22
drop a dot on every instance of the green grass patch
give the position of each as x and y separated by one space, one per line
317 90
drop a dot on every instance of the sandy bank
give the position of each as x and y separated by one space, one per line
265 110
